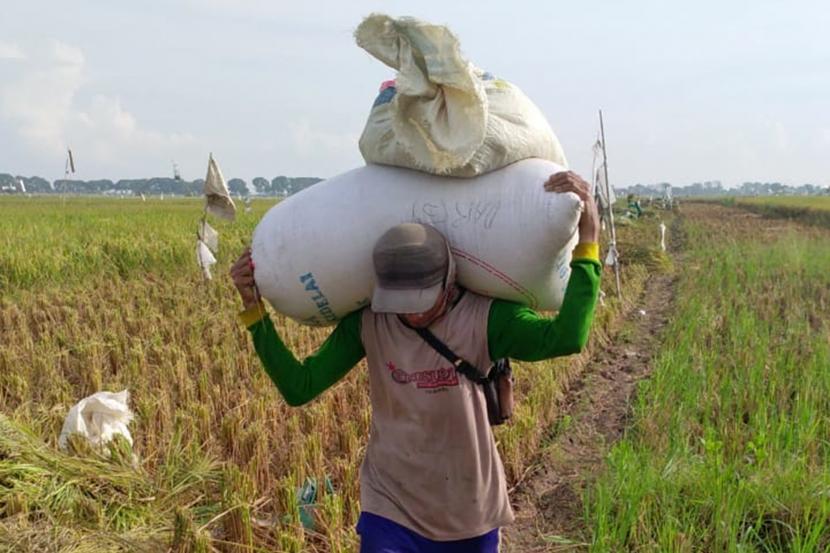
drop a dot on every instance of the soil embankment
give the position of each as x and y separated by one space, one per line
548 505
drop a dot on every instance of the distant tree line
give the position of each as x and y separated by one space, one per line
286 186
278 186
716 188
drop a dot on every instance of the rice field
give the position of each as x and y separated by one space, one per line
813 210
729 448
805 202
49 241
104 294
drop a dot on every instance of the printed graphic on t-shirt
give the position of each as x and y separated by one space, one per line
429 378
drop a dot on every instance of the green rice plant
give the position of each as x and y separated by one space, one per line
48 241
730 443
807 202
814 210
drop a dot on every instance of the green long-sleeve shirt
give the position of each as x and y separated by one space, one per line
513 331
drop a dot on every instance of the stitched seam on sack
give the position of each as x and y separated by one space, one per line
533 301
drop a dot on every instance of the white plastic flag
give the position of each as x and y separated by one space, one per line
667 195
205 258
98 418
611 258
219 202
209 236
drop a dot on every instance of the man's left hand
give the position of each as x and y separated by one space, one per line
568 181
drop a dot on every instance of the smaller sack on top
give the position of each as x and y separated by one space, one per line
443 115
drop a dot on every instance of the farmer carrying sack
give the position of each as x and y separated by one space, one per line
441 114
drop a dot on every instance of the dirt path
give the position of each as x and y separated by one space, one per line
549 515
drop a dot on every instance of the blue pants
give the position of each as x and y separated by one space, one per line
381 535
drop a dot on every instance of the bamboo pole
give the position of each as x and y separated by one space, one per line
613 245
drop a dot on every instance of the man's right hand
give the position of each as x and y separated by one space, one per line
242 273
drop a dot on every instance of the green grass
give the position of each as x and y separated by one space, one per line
730 445
807 202
47 241
814 210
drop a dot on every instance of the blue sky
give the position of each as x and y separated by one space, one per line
690 91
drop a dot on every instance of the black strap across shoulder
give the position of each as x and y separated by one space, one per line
460 364
491 385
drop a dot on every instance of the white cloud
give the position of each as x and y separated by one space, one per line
310 141
64 54
10 51
39 102
780 136
109 132
338 151
42 105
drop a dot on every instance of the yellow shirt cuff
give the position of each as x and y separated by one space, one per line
586 250
253 314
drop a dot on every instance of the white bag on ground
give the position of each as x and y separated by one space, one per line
510 238
442 115
99 418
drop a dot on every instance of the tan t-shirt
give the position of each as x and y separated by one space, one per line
431 464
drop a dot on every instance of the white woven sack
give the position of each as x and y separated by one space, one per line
98 418
442 115
510 238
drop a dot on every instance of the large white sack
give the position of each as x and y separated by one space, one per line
442 114
510 238
98 418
